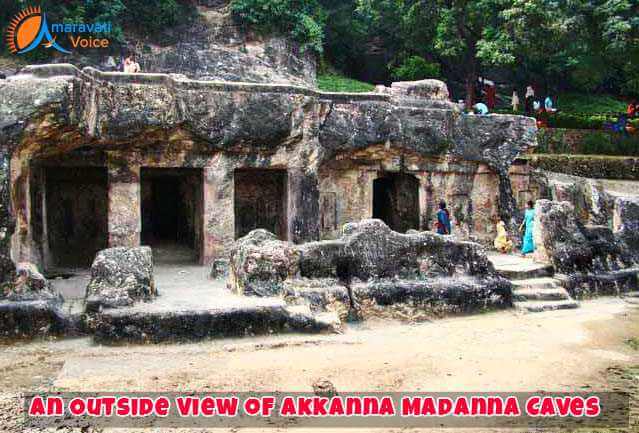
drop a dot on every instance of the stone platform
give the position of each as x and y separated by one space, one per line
190 306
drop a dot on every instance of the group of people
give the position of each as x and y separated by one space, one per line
502 242
486 98
127 65
532 105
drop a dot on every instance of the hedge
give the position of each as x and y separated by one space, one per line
593 166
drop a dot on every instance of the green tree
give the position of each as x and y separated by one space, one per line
303 20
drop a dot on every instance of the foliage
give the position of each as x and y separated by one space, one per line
332 82
416 68
590 103
552 141
304 20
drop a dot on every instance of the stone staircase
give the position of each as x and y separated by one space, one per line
631 297
534 288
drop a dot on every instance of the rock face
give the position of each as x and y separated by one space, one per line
119 277
215 47
626 222
326 148
368 267
592 259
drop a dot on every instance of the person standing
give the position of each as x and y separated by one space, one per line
443 219
515 101
529 100
528 246
491 96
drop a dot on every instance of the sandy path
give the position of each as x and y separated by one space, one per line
503 351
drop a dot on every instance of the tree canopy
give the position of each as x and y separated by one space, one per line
579 45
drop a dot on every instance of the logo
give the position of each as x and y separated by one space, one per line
29 29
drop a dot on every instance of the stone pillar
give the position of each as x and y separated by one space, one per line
125 221
22 245
219 211
426 212
303 206
47 260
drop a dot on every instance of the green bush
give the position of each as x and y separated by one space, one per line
551 141
416 68
304 20
590 103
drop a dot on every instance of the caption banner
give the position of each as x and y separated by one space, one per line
505 410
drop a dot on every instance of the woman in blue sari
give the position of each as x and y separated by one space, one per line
528 245
443 219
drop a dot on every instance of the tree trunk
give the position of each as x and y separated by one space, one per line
470 90
471 74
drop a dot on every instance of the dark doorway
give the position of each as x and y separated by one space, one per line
261 201
76 219
396 201
172 213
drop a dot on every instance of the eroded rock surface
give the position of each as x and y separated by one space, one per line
119 277
592 259
29 306
368 267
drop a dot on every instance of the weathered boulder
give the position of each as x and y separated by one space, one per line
29 306
30 285
120 276
369 264
626 221
427 89
260 263
592 259
558 239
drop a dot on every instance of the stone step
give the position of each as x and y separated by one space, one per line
536 283
535 294
634 294
516 267
515 273
540 306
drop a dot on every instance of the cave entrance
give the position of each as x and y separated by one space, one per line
396 201
75 223
261 198
172 213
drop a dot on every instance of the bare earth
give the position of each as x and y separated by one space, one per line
502 351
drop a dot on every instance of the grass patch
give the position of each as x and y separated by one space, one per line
589 103
338 83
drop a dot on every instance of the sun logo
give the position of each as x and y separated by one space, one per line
28 30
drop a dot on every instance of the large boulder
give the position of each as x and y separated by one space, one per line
120 276
369 266
626 221
592 260
558 239
260 263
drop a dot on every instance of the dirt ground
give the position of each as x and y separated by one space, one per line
573 350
